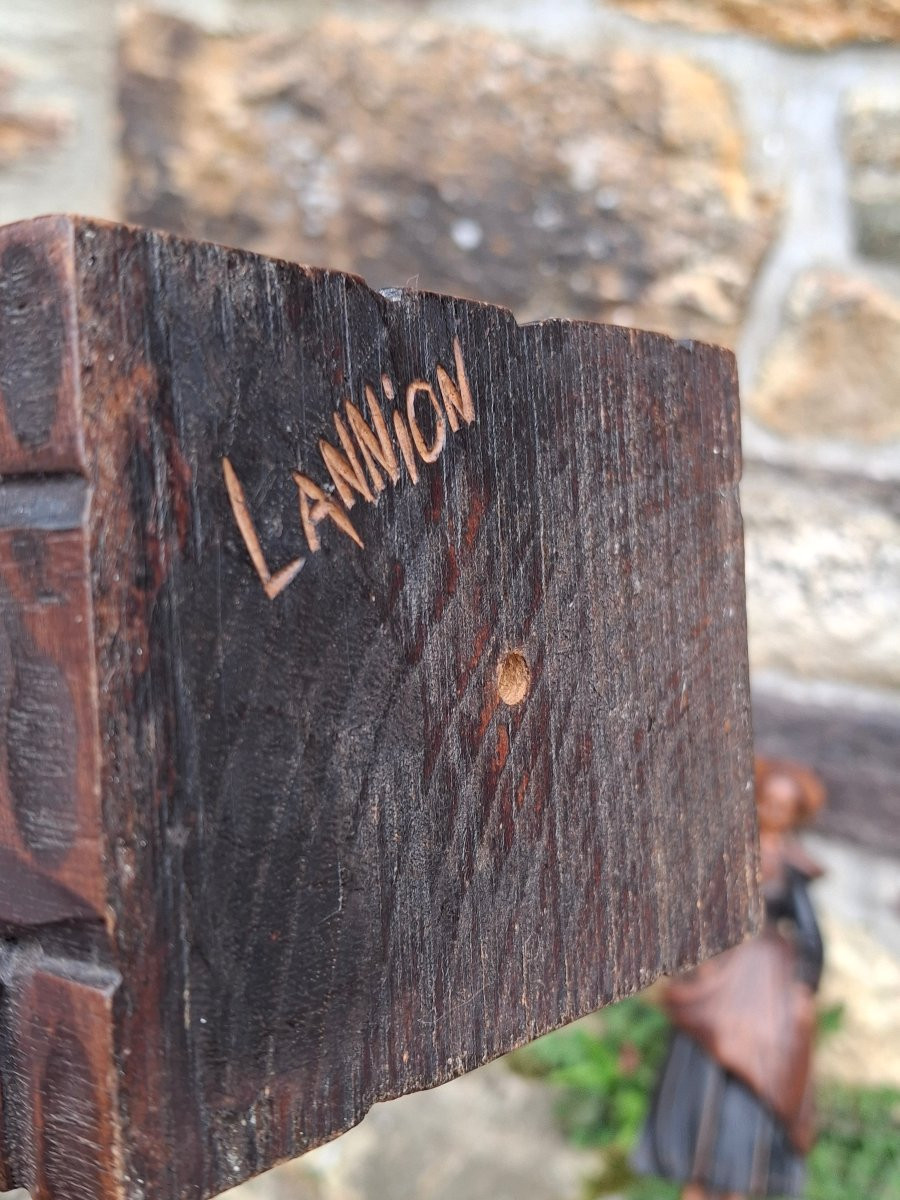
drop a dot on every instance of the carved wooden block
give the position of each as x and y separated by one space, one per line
374 696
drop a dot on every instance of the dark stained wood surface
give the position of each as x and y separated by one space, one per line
375 696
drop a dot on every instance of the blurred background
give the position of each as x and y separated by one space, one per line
722 169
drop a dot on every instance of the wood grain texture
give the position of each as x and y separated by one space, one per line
350 846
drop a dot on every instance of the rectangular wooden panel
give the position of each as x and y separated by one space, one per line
62 1071
51 846
417 667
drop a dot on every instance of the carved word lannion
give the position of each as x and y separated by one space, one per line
365 462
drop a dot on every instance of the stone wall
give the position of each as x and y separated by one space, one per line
809 23
725 169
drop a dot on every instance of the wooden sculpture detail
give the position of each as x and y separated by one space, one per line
373 696
733 1111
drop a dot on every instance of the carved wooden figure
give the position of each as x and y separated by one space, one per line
732 1116
374 696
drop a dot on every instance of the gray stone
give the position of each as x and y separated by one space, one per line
490 1135
858 901
872 147
823 575
24 130
57 124
851 737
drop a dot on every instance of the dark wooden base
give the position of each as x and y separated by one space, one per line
374 690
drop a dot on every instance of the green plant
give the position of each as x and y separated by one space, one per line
829 1020
605 1069
858 1150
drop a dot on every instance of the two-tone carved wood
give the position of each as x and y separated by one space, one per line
373 696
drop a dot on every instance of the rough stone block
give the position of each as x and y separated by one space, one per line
835 369
872 144
823 574
814 23
24 130
608 185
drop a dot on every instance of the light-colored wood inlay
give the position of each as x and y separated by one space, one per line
273 584
513 678
456 395
344 469
427 453
375 446
365 462
323 508
406 446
